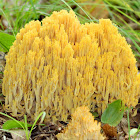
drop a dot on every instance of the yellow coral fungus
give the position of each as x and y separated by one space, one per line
82 127
60 65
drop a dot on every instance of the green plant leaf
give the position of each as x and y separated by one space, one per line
95 114
11 124
43 114
6 41
114 113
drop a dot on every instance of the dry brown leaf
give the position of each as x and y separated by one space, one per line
110 131
16 133
124 125
135 120
97 9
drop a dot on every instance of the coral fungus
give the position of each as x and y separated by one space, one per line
82 127
61 64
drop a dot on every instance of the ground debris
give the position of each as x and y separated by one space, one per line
47 132
110 131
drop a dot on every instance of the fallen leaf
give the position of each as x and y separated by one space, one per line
110 131
133 131
124 125
18 134
96 8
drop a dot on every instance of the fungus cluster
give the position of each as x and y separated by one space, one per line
59 64
82 127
